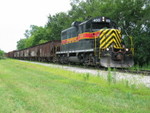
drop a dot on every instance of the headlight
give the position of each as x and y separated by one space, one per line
103 19
107 49
127 49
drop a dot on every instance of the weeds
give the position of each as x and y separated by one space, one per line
129 95
127 83
98 73
114 76
86 76
109 76
138 67
111 79
133 86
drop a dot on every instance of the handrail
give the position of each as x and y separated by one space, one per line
132 45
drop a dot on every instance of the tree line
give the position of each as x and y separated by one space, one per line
132 16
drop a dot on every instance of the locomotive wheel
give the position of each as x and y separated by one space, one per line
63 59
54 59
92 60
85 62
89 60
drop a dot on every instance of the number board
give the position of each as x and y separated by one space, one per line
101 20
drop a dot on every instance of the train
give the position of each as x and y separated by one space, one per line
94 42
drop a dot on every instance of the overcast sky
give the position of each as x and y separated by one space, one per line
16 16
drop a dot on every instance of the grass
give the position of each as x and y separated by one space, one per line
32 88
144 67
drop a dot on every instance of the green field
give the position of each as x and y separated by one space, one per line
32 88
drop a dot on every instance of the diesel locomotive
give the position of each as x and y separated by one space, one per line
94 42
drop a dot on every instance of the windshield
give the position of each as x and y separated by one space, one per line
99 25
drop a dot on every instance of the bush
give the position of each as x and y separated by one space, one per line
2 54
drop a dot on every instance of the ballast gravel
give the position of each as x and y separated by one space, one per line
131 78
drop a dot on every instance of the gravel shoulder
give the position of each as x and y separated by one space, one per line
132 78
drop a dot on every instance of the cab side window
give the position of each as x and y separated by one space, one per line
88 27
81 29
74 32
63 35
68 34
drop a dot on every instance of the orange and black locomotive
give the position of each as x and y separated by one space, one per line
97 41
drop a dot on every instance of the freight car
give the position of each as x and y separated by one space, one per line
43 52
96 42
10 54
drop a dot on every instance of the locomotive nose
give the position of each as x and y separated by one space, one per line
109 37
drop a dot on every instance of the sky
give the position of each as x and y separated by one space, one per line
16 16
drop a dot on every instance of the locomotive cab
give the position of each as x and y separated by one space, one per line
102 23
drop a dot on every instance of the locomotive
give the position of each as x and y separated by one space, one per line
94 42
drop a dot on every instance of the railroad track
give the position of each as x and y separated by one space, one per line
144 72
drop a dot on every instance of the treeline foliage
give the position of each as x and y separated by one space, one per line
132 16
2 54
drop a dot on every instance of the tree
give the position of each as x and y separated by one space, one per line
34 36
2 54
21 44
56 24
